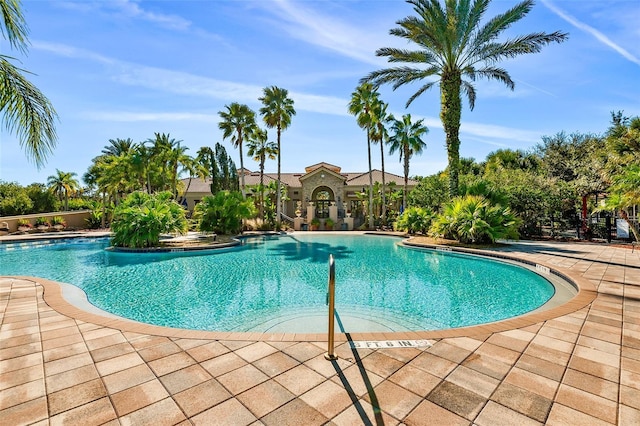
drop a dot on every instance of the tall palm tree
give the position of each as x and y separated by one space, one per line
454 44
277 112
63 184
119 146
237 121
363 101
379 135
260 150
24 109
407 140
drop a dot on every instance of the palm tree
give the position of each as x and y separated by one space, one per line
119 146
24 108
237 121
260 150
363 101
277 112
379 135
453 44
63 184
406 139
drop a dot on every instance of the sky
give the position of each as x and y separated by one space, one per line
131 68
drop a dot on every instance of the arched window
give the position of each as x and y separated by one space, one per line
322 197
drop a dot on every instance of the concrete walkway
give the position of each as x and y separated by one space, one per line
580 368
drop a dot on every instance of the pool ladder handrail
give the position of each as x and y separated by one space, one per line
331 300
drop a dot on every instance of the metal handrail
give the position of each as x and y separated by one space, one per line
331 301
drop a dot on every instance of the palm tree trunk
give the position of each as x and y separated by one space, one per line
241 165
370 181
450 114
406 177
278 191
384 188
262 188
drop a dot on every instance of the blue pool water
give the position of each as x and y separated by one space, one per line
268 278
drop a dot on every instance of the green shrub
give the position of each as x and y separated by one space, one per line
415 219
473 219
223 213
140 219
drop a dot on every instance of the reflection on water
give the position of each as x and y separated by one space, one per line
266 276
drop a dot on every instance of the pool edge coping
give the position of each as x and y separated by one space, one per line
53 297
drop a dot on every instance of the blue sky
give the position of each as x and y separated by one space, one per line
127 69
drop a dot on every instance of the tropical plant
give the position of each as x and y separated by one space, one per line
63 184
407 140
237 121
259 149
42 222
328 224
415 219
277 112
26 223
94 221
473 219
58 221
223 212
455 45
363 101
25 110
140 219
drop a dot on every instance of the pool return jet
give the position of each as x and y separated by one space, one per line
331 301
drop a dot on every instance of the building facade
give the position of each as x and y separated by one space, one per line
312 193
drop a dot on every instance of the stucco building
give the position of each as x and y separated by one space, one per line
321 191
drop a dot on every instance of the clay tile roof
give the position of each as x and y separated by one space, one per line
331 167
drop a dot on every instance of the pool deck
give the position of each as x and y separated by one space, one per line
59 365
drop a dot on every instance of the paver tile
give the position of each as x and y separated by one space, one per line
457 399
229 412
294 413
183 379
265 398
328 398
138 397
171 363
299 379
275 364
94 413
393 399
243 378
494 414
75 396
362 412
429 414
523 401
201 397
164 412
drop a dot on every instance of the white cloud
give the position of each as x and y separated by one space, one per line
182 83
329 32
590 30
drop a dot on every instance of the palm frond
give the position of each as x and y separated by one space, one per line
27 112
420 91
469 90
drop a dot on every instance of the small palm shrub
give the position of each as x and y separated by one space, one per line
474 219
223 213
42 221
58 220
140 219
94 221
415 219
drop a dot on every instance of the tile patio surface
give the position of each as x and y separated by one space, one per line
58 366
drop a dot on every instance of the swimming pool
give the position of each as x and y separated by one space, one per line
278 283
